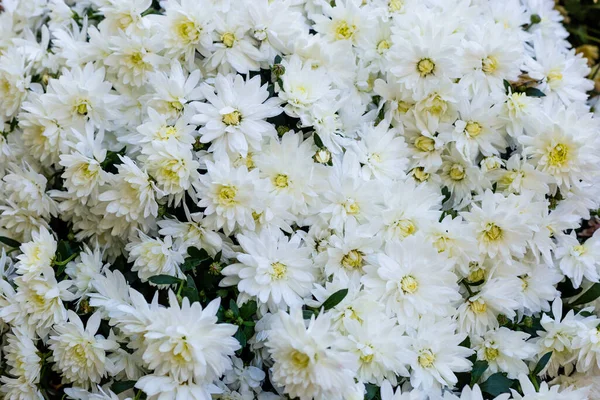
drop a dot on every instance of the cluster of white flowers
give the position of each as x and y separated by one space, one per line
296 199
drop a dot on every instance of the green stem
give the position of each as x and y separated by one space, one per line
65 262
535 382
467 287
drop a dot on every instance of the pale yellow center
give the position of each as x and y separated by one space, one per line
343 30
490 65
281 181
425 67
426 358
492 232
228 39
227 195
409 284
457 172
473 129
233 118
478 306
425 144
300 360
278 271
558 155
353 259
490 353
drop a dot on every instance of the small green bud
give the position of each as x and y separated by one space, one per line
535 19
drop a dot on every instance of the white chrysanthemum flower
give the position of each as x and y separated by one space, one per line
412 280
173 93
505 351
154 256
275 270
193 233
438 354
83 173
233 119
37 255
84 268
189 27
578 261
186 343
230 195
381 347
78 352
530 392
172 166
132 194
499 228
19 389
22 355
293 175
310 361
134 57
14 81
41 300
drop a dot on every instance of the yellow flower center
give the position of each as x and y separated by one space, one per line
403 107
278 271
438 106
228 39
82 108
405 227
426 358
227 195
383 46
409 284
579 250
136 58
343 30
366 358
473 129
555 76
457 172
353 259
420 174
425 144
281 181
187 31
492 232
351 207
558 155
176 105
490 353
476 275
478 306
233 118
395 5
490 65
300 360
425 67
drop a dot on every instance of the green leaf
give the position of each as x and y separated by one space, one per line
318 141
233 307
10 242
218 256
539 367
479 368
277 59
533 92
122 386
307 314
248 310
507 86
164 280
371 391
241 337
496 384
590 295
334 299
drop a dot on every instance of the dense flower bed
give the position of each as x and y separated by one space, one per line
280 199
